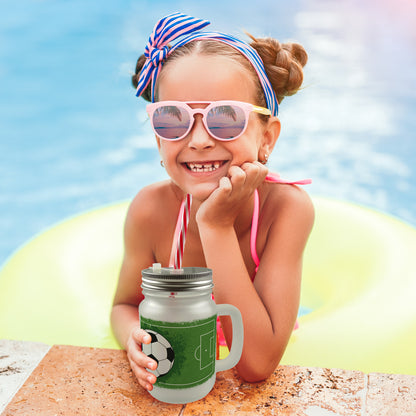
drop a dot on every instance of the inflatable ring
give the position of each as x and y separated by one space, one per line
358 286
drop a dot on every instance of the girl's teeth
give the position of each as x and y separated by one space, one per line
199 167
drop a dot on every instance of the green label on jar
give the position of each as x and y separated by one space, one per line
194 351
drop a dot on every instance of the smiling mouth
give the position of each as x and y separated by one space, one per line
204 166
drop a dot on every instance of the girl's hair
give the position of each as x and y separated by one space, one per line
283 63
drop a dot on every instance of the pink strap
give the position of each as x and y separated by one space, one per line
254 227
275 178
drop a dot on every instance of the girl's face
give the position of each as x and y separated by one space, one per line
197 162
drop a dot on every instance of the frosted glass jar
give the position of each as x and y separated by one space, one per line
180 315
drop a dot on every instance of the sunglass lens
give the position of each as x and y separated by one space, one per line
170 122
226 121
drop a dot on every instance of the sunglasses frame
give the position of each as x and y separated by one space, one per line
246 107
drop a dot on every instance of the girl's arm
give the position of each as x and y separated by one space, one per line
138 255
269 306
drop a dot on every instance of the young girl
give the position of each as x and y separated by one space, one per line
214 113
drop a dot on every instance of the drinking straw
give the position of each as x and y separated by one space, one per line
181 230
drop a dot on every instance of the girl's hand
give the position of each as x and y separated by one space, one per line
223 205
140 361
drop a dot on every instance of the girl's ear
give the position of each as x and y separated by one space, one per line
158 142
270 136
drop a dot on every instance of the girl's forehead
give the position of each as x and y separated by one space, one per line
205 78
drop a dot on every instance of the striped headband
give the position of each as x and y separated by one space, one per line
178 25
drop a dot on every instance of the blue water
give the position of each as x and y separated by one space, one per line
73 136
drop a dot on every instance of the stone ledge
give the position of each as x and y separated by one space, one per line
391 395
17 361
80 380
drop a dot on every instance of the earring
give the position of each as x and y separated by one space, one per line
264 161
162 164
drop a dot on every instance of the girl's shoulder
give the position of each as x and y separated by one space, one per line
280 201
153 203
154 192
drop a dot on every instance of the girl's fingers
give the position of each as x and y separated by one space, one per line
225 185
139 361
140 336
247 177
225 202
145 379
255 173
237 176
135 354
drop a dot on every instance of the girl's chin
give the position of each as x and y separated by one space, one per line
202 191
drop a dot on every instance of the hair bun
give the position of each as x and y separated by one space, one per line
283 63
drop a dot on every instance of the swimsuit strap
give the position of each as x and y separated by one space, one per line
254 227
274 178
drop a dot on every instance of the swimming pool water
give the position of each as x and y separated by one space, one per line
73 135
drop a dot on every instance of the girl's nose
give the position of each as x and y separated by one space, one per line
199 138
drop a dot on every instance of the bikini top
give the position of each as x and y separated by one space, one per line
271 177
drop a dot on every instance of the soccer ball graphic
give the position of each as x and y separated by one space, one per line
161 351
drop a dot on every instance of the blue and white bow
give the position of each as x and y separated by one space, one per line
165 31
178 25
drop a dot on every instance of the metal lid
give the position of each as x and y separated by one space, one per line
177 280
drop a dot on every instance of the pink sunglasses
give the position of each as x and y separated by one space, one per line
224 120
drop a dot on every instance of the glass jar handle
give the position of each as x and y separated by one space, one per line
238 337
